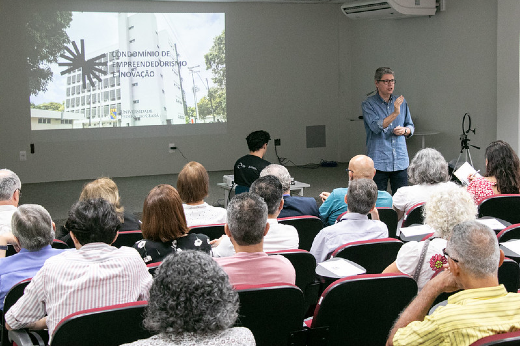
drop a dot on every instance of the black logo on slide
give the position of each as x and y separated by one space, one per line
89 68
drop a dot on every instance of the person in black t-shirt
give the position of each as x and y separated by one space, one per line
247 168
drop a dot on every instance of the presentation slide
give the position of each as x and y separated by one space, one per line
106 70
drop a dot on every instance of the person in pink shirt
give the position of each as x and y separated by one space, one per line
246 227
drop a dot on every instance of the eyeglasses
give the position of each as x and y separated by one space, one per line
349 170
446 255
387 81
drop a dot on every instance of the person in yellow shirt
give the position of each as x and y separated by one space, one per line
481 309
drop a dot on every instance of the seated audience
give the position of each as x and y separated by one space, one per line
192 303
10 192
483 308
164 227
247 168
95 275
427 171
292 206
360 166
279 237
446 207
246 226
33 232
502 173
354 225
193 187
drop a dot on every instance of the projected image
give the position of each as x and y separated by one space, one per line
92 70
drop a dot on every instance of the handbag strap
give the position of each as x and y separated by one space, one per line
417 270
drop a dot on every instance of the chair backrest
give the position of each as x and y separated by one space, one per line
59 244
509 339
508 233
272 312
152 267
10 298
304 264
414 215
360 310
213 231
10 250
374 255
503 206
308 227
111 325
509 275
127 238
389 217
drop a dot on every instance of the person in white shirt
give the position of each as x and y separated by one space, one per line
279 237
193 187
10 187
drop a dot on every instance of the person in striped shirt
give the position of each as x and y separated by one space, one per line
482 308
93 276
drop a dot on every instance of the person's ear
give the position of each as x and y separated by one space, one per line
77 244
226 230
502 256
113 241
53 226
346 199
454 267
282 202
266 228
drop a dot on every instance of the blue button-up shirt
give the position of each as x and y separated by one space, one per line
388 151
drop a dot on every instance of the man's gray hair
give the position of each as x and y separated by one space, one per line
380 72
280 172
32 225
428 167
361 195
246 218
475 246
9 183
270 189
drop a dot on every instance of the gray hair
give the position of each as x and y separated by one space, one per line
447 206
380 72
428 167
32 225
190 293
246 218
361 195
9 183
475 246
280 172
270 189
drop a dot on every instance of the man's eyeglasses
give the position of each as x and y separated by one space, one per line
446 255
387 81
349 170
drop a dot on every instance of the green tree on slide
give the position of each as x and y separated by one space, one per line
216 61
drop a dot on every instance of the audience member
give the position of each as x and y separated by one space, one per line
10 192
502 173
164 227
354 225
360 166
33 232
292 206
246 226
247 168
95 275
279 237
193 187
427 171
483 308
446 207
192 303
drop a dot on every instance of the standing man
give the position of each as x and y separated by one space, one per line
387 124
247 168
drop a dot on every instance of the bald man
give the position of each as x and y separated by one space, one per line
360 166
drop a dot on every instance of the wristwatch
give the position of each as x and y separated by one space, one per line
406 131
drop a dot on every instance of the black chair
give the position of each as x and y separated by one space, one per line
272 312
304 264
308 227
109 326
374 255
509 275
360 310
508 233
389 217
503 206
59 244
509 339
152 267
414 215
127 238
10 299
10 250
214 231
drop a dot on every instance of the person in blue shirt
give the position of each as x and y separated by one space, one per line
387 124
360 166
32 232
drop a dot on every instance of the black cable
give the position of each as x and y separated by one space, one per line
182 154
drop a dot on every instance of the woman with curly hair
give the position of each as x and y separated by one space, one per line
502 172
192 303
447 206
164 227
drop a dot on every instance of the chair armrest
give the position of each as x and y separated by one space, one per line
23 337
